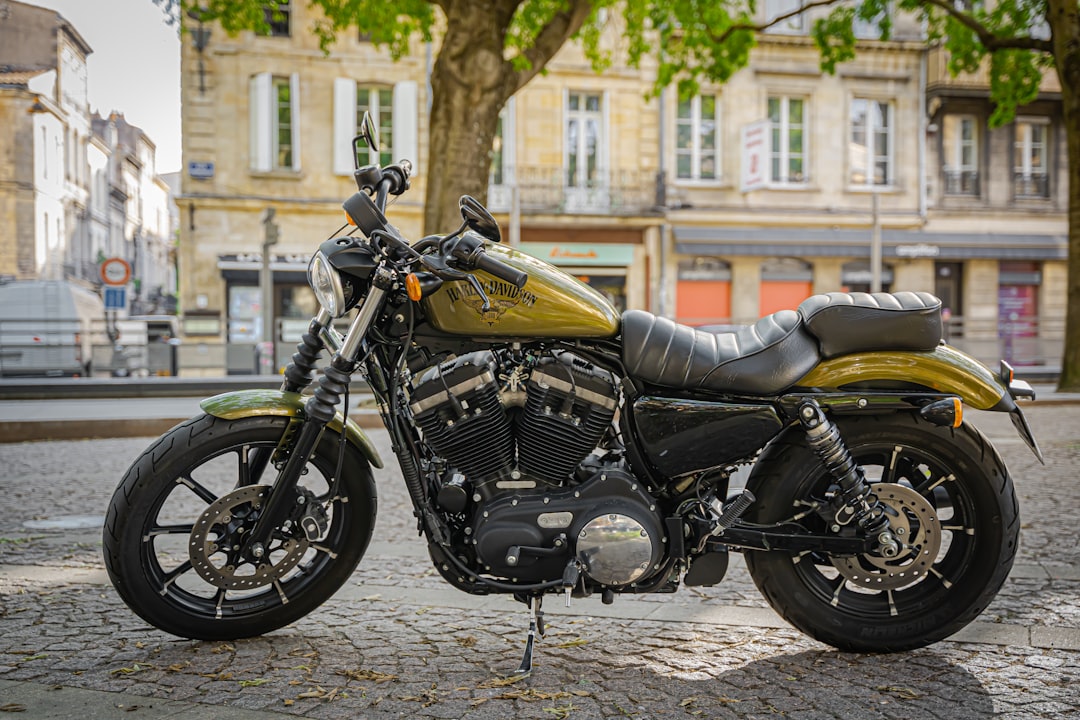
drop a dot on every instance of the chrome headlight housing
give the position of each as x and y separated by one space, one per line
326 282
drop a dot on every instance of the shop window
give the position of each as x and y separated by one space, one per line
787 124
785 282
393 108
870 151
696 131
703 293
275 123
857 276
960 150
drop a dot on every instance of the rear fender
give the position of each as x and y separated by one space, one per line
943 369
255 403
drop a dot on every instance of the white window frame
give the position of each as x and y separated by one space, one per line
870 147
1024 143
404 145
264 139
784 151
581 116
953 158
695 150
500 194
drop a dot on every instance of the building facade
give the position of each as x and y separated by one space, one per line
713 210
560 184
75 189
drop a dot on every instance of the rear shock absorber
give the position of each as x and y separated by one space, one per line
860 501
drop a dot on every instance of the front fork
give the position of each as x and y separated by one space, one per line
319 409
860 503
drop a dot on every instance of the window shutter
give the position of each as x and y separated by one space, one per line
294 115
344 125
261 129
405 122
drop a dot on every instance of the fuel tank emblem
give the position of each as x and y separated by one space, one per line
502 296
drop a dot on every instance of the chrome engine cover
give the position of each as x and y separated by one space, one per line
616 549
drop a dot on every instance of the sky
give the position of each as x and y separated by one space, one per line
135 66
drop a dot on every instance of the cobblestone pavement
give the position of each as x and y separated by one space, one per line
398 642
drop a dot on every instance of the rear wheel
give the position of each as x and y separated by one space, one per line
951 503
178 518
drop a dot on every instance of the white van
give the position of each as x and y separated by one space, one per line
45 328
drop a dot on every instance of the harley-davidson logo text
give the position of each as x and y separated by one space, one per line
501 295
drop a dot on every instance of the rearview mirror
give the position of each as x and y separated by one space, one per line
367 132
477 217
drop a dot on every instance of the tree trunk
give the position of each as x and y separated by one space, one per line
470 83
1064 17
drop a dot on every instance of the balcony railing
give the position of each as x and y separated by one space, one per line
544 189
961 182
1032 185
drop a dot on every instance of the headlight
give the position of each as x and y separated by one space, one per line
326 283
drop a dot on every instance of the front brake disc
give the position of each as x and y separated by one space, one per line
215 543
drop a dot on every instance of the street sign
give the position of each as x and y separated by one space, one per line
200 170
115 272
115 298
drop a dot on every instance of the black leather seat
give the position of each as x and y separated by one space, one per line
763 359
771 355
860 322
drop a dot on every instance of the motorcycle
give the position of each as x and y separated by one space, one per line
551 445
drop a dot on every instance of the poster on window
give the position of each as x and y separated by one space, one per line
1017 310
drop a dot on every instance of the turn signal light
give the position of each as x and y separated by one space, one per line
948 412
349 220
412 286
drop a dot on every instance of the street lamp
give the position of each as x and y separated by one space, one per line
266 284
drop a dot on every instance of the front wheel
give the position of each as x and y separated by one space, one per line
951 504
177 521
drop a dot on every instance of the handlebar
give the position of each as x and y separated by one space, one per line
468 250
501 270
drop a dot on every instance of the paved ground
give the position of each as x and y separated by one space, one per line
398 642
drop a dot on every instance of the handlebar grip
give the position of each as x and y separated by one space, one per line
501 270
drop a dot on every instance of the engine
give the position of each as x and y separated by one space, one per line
519 438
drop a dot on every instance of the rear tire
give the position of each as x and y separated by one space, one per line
961 481
151 530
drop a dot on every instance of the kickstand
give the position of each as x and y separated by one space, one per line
536 627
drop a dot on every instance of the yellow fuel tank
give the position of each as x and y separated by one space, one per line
552 304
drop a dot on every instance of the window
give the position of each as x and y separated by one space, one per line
961 155
787 125
379 103
584 139
1030 158
278 15
275 116
871 148
392 108
696 147
775 8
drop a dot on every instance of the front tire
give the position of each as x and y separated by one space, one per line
948 486
166 525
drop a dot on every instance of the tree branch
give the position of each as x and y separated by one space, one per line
552 37
989 40
754 27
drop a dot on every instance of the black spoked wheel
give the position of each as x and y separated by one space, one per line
177 523
951 505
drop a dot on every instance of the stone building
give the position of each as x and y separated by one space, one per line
75 188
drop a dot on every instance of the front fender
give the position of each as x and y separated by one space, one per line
943 369
254 403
